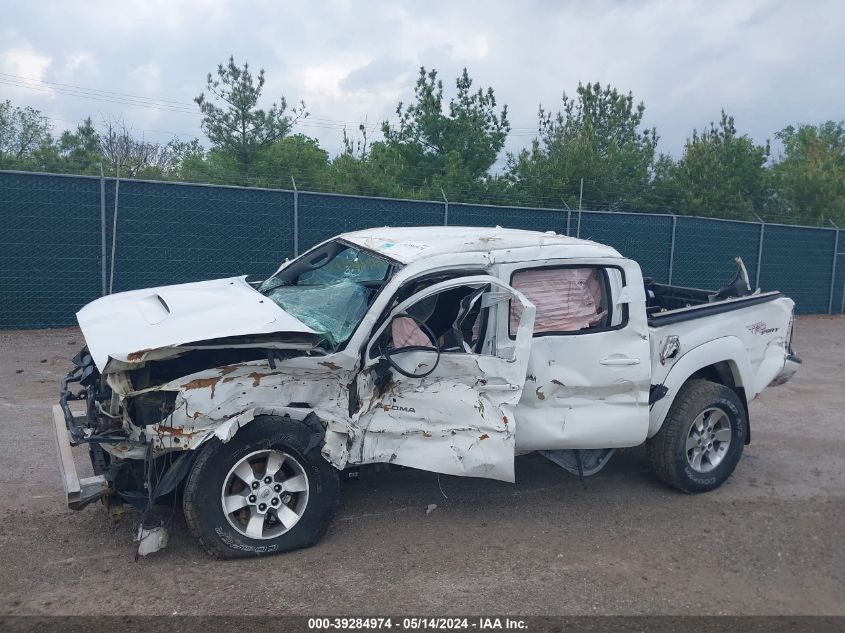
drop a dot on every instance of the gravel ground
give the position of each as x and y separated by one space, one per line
770 541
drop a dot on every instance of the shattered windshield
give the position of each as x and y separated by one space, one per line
330 288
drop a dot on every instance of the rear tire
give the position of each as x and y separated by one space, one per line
701 440
280 493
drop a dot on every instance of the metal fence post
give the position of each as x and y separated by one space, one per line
842 307
672 248
581 195
833 269
760 252
445 207
568 218
578 232
295 218
103 263
114 227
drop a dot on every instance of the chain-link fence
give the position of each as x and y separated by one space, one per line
58 250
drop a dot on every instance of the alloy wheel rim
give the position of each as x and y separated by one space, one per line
708 440
265 494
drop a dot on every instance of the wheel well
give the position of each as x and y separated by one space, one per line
724 373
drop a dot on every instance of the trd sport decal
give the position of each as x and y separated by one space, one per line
760 328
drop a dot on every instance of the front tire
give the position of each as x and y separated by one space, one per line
267 490
701 440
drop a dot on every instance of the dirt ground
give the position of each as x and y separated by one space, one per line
770 541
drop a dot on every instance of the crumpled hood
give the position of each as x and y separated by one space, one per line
132 326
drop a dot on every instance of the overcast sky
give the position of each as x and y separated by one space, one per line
768 63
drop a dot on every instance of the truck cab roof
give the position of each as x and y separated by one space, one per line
410 244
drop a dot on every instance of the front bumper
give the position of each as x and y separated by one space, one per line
790 366
78 492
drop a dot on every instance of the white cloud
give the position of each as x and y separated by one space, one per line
24 61
146 78
106 16
76 61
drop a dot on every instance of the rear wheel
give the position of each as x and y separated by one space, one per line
263 492
701 440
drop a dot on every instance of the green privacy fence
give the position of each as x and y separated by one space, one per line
57 240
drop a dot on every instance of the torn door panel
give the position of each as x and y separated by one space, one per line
415 421
459 419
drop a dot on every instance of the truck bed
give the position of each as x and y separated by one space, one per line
750 335
666 304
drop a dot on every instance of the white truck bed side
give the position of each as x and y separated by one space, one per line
750 336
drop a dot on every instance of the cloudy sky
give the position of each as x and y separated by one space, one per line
768 63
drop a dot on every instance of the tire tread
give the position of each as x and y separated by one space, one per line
693 396
216 548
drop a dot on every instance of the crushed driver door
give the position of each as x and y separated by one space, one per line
445 400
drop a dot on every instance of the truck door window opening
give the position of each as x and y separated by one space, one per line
567 299
457 317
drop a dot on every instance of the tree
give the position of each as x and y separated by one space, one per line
810 177
79 151
232 120
452 149
186 159
24 137
131 157
378 171
723 173
296 156
597 137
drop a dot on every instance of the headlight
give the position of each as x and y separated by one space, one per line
152 407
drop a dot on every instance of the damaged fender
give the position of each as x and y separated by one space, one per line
219 402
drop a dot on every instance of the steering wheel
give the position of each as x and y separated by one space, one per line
389 353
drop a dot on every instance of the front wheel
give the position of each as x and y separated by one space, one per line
267 490
701 440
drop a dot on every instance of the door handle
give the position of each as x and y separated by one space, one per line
505 387
619 361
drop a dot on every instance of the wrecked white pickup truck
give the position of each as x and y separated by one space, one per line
450 350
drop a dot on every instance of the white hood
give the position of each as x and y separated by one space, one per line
128 326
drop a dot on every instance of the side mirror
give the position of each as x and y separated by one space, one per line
410 334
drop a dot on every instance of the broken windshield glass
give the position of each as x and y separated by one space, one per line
329 288
333 309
